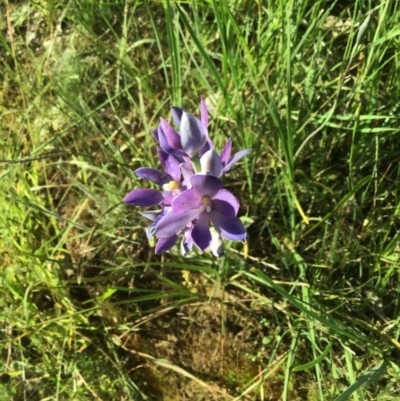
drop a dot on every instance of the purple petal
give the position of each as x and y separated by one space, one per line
203 112
188 162
166 243
144 197
177 115
186 200
187 174
151 215
211 163
209 145
230 228
155 217
155 134
149 231
170 164
163 140
225 203
187 242
226 152
193 134
153 175
186 247
165 145
173 223
237 156
201 232
206 185
168 197
173 137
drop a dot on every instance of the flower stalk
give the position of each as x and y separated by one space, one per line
196 164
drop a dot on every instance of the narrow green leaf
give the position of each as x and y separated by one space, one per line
316 361
366 379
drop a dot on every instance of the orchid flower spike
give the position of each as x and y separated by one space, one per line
193 203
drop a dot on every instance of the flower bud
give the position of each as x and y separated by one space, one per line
193 134
211 163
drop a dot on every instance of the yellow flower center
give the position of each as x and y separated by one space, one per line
173 185
206 202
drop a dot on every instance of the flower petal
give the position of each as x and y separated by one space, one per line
170 164
226 152
237 156
193 134
201 232
187 242
153 175
155 217
203 112
151 215
165 144
166 243
186 200
168 197
230 228
173 223
217 245
206 185
155 134
144 197
209 145
172 136
149 230
187 174
177 115
225 203
211 163
188 162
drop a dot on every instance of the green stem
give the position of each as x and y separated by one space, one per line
196 164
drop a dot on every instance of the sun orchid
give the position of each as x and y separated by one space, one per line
194 204
203 204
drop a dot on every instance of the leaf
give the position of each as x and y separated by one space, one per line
316 361
366 379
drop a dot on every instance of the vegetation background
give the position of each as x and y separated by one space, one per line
310 311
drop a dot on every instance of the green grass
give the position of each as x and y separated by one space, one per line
88 312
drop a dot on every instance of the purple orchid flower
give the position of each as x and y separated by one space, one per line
193 204
204 203
170 181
